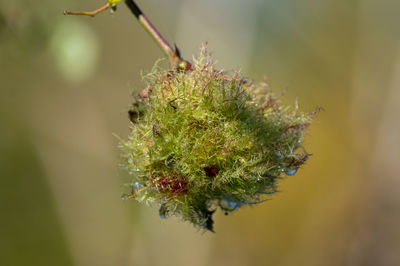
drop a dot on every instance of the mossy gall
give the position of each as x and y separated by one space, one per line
204 139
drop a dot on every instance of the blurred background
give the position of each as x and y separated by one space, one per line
65 88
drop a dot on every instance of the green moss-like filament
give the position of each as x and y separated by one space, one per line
206 139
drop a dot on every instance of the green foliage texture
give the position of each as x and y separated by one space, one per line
206 139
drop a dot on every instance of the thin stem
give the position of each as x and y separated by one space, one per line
149 27
175 59
91 13
174 55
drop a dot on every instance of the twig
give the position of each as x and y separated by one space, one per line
91 13
175 58
173 54
149 27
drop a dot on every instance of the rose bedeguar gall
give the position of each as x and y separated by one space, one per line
206 139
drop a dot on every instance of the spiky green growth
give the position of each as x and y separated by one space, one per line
205 139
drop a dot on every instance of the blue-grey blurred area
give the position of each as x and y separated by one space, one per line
65 88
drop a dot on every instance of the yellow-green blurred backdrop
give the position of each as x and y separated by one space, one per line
65 87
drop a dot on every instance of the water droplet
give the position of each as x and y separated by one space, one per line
232 204
135 185
130 160
163 211
291 172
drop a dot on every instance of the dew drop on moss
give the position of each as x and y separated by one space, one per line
291 172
